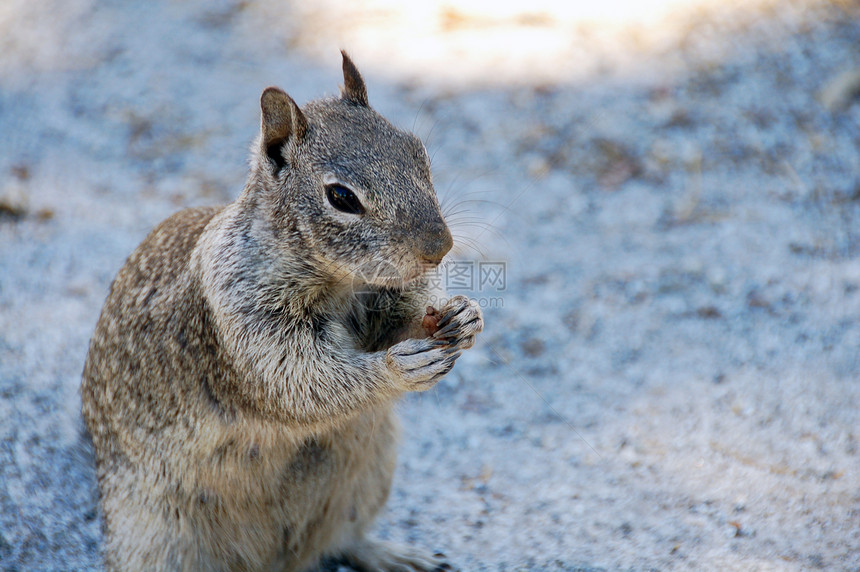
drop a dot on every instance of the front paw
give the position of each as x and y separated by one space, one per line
419 364
459 321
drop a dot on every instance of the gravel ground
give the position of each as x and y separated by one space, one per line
669 374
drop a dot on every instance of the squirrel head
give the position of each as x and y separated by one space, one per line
337 180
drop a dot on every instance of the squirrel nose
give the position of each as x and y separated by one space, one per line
436 244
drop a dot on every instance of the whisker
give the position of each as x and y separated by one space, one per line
418 113
475 223
464 216
479 202
447 193
459 246
433 155
429 136
509 205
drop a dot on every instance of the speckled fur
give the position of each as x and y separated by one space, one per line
237 388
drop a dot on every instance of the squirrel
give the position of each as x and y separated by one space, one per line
240 382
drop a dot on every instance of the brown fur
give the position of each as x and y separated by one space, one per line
239 384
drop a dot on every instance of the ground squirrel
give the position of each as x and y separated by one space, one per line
239 384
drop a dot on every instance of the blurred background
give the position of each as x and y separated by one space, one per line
656 202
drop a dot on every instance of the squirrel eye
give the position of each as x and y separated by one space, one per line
343 199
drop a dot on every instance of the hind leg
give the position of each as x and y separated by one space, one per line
366 499
378 556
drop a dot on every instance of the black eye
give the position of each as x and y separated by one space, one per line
343 199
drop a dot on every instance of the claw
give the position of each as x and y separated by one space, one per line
446 317
417 348
446 330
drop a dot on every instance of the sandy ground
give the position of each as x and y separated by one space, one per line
669 374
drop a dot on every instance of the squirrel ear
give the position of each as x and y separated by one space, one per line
354 89
281 120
